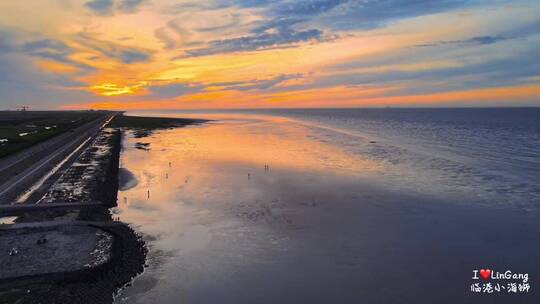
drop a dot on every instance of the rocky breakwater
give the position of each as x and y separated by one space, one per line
94 255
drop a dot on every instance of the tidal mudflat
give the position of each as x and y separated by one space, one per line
259 209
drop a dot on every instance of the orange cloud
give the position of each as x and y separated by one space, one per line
56 67
339 96
112 89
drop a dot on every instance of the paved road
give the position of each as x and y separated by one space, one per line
56 223
15 210
56 150
13 159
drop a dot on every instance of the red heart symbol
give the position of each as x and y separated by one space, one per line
485 273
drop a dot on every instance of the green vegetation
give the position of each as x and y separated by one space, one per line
151 123
143 126
22 129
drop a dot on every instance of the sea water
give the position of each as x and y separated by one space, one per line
332 205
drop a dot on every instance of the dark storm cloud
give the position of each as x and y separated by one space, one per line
259 41
343 14
173 90
480 40
235 20
169 42
130 6
289 23
260 84
48 49
100 7
281 24
306 8
6 42
112 50
507 71
358 14
130 56
275 33
21 84
45 48
109 7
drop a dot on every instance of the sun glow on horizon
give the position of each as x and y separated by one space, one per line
112 89
157 55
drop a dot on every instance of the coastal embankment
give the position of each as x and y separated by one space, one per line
69 247
96 281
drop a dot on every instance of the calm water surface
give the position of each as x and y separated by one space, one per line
343 214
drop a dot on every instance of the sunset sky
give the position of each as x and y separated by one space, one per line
173 54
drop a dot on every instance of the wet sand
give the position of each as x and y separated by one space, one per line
126 179
318 226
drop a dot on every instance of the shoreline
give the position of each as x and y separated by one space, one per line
228 217
127 249
99 283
